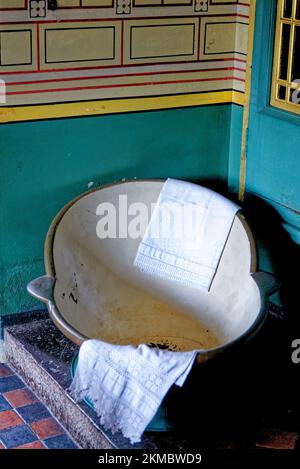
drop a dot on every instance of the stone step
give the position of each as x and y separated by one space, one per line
42 356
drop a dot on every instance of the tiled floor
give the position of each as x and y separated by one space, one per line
25 423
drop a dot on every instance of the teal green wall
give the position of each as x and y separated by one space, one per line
44 164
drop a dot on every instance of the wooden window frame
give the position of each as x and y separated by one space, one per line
284 104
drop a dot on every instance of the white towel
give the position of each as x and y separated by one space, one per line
186 235
126 384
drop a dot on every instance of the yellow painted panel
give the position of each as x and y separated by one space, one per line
52 111
241 41
79 44
173 2
147 2
161 40
226 37
220 38
97 3
83 44
238 98
68 3
17 50
15 47
17 4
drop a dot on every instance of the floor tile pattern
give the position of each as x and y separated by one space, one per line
25 423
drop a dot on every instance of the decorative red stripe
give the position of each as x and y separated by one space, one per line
122 85
24 72
102 77
114 19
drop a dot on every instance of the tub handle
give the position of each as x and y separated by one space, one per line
42 288
267 283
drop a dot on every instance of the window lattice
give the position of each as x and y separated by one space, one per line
286 68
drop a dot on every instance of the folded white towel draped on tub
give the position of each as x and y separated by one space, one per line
126 384
186 235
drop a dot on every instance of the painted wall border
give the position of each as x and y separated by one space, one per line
116 106
250 44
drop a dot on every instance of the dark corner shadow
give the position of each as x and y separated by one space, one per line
233 396
275 242
280 374
218 185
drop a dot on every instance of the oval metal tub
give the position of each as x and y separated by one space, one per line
92 289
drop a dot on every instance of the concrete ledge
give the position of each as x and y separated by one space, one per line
2 352
42 357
